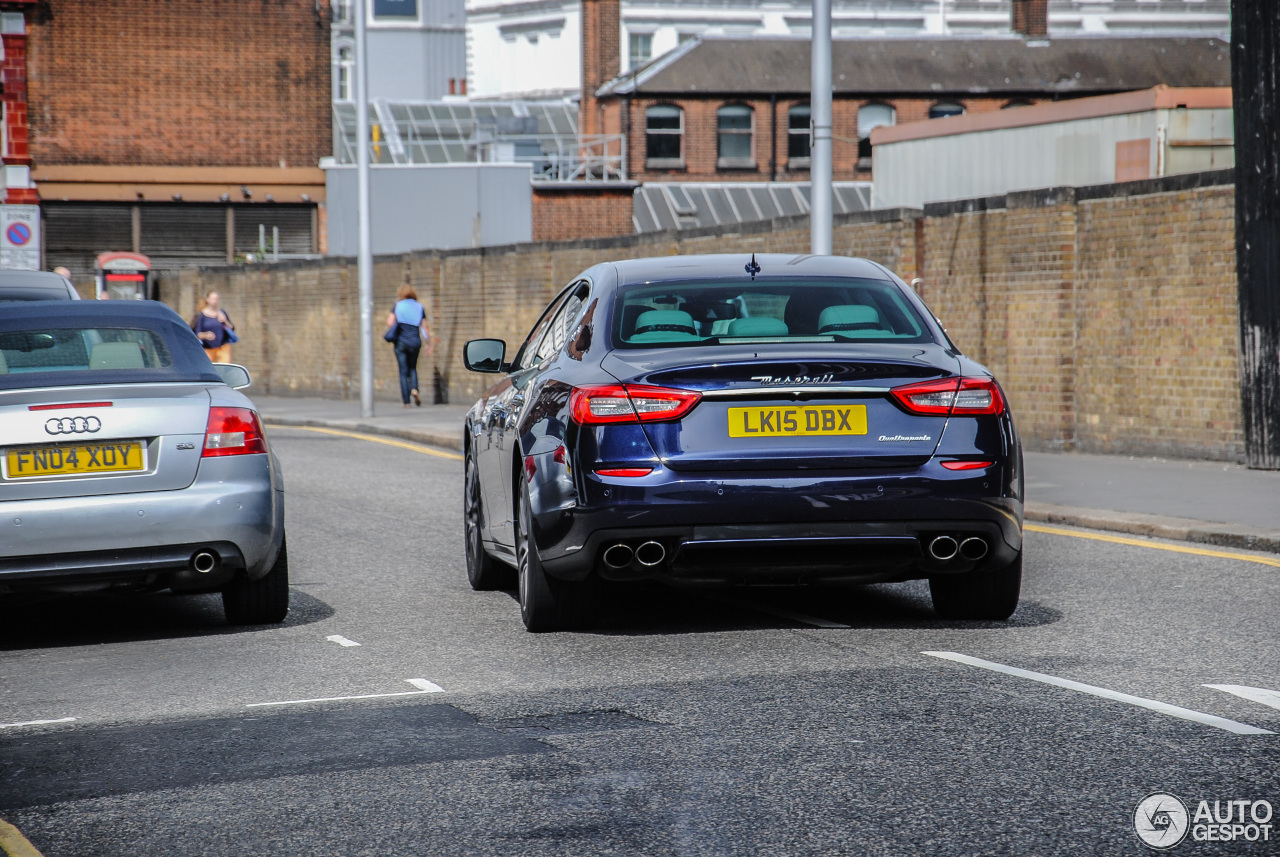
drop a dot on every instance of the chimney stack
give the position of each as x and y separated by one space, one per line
1030 18
601 57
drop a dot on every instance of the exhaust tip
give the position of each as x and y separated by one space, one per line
204 561
973 548
943 548
618 556
650 554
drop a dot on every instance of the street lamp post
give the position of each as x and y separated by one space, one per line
364 255
820 201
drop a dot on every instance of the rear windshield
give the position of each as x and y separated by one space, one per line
54 354
32 293
700 314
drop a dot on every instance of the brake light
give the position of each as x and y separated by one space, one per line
627 403
233 431
951 396
67 405
966 465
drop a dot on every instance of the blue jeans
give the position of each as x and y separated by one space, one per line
407 357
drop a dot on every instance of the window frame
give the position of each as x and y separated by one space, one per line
730 162
632 62
664 163
946 104
800 162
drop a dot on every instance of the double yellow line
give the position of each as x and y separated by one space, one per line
14 844
372 438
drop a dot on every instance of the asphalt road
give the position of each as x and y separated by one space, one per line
759 722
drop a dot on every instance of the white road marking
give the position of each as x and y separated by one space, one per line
425 686
815 621
341 640
1150 704
1253 694
336 698
36 722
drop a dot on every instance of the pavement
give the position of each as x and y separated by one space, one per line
1209 502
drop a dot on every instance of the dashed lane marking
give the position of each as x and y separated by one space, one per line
1143 543
36 722
341 640
422 684
1149 704
414 447
1260 695
14 844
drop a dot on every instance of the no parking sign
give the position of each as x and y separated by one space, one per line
20 237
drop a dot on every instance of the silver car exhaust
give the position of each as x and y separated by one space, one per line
618 556
943 548
973 548
650 554
204 561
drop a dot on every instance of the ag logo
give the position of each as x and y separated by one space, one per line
1161 820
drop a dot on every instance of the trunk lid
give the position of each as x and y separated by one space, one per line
782 408
154 434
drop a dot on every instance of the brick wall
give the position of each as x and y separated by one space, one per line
581 209
179 82
1109 314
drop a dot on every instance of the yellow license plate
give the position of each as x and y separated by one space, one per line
798 421
73 459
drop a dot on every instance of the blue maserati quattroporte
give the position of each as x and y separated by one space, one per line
740 419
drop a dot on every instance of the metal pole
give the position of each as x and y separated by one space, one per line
820 144
364 257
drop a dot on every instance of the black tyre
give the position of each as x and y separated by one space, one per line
547 603
264 601
483 571
985 593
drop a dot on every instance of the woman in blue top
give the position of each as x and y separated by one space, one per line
409 319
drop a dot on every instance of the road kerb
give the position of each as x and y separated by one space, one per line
1157 526
14 844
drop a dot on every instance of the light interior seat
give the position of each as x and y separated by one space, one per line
116 355
665 325
758 326
847 317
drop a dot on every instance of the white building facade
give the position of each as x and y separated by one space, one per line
531 48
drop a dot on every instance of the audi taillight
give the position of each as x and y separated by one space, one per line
627 403
951 397
233 431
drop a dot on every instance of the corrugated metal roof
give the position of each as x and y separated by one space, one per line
660 206
934 66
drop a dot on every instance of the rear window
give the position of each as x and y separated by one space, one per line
91 349
702 314
32 293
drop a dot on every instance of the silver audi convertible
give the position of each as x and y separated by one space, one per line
130 462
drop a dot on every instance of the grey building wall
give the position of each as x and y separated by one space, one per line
415 64
436 207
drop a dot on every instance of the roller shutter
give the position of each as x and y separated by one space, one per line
75 233
294 222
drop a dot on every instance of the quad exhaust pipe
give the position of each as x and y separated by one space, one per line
650 554
204 561
621 555
943 548
618 556
973 548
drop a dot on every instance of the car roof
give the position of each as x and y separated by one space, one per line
732 266
87 313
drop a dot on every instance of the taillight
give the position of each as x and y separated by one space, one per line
951 396
627 472
626 403
966 465
233 431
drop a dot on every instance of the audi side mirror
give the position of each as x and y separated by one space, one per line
233 375
484 355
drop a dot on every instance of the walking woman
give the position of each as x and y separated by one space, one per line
409 320
211 325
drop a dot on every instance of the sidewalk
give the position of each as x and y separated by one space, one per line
1196 501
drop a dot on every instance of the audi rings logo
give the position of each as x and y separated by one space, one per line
73 425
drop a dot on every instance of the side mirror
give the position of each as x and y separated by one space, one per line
484 355
233 375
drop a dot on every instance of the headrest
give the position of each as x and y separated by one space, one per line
848 317
673 320
759 326
116 355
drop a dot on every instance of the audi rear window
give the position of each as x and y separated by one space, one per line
775 311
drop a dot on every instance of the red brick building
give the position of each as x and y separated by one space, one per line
736 109
169 128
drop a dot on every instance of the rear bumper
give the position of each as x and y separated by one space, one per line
854 525
231 509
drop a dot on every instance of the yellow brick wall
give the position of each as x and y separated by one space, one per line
1111 323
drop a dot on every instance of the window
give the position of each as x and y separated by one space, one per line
798 136
946 108
663 136
733 137
342 74
641 49
870 117
562 325
395 8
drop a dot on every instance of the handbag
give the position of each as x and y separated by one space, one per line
392 334
231 335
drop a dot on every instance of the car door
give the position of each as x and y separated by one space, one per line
500 415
